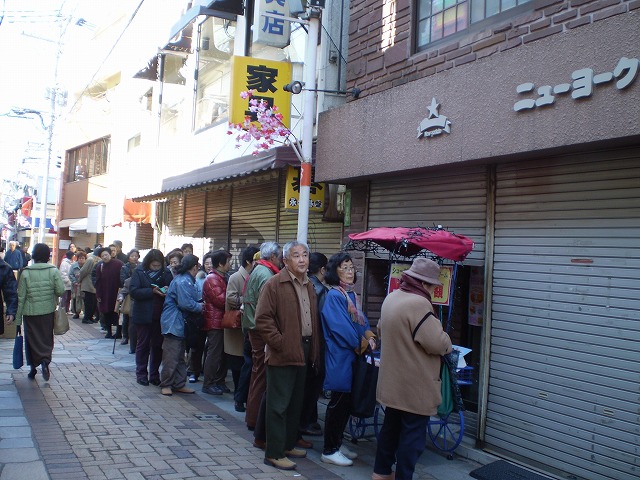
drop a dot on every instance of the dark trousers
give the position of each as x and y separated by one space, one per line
110 319
133 336
196 354
336 419
402 440
215 368
89 306
242 390
174 368
234 363
66 300
258 383
125 325
148 351
285 389
312 391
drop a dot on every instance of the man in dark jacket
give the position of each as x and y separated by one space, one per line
13 256
287 320
9 294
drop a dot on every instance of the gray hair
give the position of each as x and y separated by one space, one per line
269 249
287 248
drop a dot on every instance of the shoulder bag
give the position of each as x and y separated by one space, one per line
60 320
232 319
18 354
363 385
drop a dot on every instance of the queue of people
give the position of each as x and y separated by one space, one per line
302 327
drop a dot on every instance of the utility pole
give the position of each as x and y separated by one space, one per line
309 77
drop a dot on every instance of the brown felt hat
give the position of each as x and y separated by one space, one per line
425 270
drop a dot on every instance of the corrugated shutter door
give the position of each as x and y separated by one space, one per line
194 214
175 218
144 236
217 218
253 214
457 201
564 379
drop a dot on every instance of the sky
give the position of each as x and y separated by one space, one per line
30 31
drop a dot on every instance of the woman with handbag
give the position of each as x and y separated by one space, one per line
347 334
39 289
214 293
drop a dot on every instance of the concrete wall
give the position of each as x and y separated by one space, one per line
378 133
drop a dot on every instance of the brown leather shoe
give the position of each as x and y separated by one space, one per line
296 453
261 444
302 443
166 391
184 390
281 463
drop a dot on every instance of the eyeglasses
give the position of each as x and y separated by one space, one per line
348 269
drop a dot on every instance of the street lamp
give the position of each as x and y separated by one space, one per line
296 87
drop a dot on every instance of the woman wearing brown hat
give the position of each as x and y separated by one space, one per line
408 381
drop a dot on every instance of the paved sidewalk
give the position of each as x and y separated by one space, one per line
92 420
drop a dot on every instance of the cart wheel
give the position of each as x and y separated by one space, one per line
357 427
378 419
446 432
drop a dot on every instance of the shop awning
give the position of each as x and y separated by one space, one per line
68 222
273 159
136 212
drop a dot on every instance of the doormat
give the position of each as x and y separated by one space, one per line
501 470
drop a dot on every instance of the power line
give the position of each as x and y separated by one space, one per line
108 55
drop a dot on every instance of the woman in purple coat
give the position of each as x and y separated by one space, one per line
107 286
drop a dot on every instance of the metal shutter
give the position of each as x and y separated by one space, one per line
194 214
456 200
176 216
216 227
563 389
253 214
144 236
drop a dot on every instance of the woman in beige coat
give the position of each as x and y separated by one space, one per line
408 383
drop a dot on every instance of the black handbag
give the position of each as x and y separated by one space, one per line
18 354
193 322
363 386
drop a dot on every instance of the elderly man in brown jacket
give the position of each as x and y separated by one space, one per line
408 382
287 319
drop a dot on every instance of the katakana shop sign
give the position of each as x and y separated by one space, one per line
292 192
266 79
269 29
583 81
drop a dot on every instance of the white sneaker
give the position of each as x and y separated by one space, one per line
336 458
350 454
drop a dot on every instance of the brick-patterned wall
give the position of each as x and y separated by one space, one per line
375 66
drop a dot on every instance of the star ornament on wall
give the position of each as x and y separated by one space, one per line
434 124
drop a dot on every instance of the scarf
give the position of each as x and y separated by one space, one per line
269 265
354 310
154 276
412 285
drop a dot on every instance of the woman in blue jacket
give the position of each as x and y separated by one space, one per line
181 301
347 333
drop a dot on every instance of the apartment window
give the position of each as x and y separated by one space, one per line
133 142
89 160
438 19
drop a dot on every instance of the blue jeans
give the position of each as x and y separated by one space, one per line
402 440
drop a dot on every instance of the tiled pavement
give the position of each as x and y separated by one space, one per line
92 420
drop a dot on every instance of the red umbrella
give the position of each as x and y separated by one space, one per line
409 242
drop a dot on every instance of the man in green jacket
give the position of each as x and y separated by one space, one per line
269 264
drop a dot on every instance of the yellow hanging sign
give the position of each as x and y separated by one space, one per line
266 78
292 192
